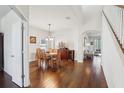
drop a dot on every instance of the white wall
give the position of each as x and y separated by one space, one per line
26 54
24 10
114 15
112 57
8 63
32 47
11 27
80 47
70 37
92 21
92 17
65 36
4 9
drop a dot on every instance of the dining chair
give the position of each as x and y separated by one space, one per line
40 56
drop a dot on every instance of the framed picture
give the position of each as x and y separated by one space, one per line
33 39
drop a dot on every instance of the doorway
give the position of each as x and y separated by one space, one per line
92 44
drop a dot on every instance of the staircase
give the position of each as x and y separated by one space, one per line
113 45
118 31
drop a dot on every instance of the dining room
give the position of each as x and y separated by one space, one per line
56 49
48 59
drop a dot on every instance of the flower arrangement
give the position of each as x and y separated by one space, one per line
62 45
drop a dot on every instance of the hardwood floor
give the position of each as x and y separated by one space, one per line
6 81
70 75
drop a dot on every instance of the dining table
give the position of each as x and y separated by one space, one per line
51 54
51 59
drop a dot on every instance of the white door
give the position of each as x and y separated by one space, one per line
16 56
11 27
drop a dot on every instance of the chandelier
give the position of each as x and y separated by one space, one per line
50 37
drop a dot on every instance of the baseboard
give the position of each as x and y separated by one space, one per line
105 76
29 86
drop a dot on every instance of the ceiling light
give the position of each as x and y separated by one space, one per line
50 37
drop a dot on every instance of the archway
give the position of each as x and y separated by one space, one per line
91 44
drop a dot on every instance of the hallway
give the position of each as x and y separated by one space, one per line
70 75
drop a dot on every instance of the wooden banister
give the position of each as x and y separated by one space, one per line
121 6
113 32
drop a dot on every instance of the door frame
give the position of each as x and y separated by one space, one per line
2 34
24 28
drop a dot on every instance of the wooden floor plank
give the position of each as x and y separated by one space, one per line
6 81
70 75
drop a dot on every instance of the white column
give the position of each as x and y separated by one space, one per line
26 55
80 46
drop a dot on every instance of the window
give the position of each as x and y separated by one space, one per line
43 43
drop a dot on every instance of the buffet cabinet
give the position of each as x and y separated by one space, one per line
66 54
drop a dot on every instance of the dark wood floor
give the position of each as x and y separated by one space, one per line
6 81
70 75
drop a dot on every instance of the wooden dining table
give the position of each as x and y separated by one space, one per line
51 54
51 59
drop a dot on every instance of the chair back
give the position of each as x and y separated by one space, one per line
39 54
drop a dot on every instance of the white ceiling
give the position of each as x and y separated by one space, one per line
92 17
41 16
91 11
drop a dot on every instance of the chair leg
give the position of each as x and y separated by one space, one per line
39 63
49 63
45 64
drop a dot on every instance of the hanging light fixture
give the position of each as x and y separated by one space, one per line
49 37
